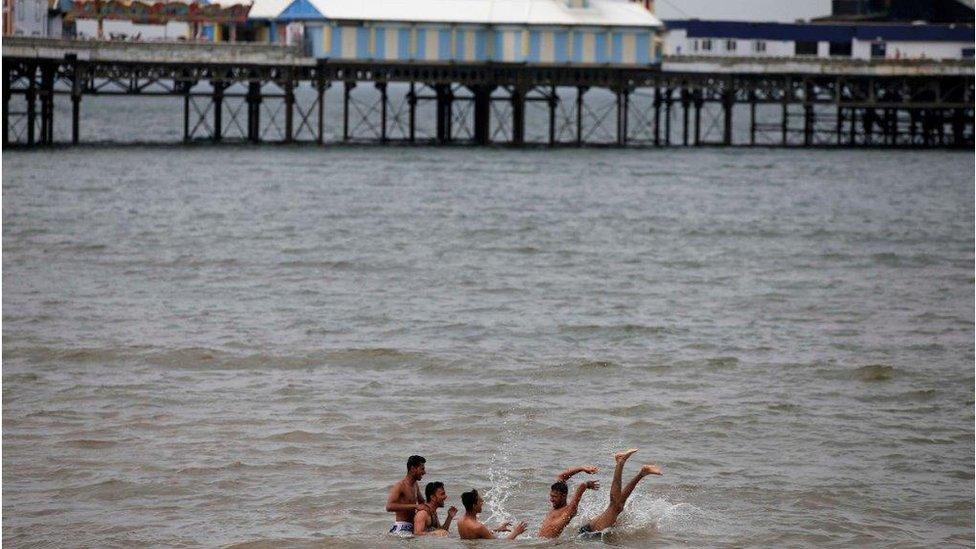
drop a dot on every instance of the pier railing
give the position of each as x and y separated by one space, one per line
689 101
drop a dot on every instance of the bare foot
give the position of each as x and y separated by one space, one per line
620 457
651 469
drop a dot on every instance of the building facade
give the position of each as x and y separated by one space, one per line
30 18
854 41
477 31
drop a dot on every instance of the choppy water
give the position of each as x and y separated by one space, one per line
217 346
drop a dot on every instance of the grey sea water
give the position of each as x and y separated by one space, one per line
241 346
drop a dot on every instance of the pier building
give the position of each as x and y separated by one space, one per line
862 41
472 31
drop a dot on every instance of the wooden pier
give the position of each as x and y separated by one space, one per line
237 92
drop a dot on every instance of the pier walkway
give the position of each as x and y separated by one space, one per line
240 92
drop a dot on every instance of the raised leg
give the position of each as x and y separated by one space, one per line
620 458
609 517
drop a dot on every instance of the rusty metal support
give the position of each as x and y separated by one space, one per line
412 101
553 102
383 102
290 109
518 116
348 86
580 91
218 103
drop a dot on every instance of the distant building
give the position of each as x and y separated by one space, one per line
906 11
30 18
507 31
853 41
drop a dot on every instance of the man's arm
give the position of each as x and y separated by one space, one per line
569 473
573 506
420 522
450 516
392 502
517 531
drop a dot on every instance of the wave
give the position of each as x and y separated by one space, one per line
195 358
874 372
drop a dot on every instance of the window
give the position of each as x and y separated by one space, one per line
759 46
706 44
878 50
694 45
805 48
840 49
730 45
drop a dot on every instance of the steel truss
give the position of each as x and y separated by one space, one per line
504 104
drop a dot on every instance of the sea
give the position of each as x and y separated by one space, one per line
240 346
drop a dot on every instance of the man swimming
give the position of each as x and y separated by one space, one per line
618 497
426 520
562 512
405 497
469 527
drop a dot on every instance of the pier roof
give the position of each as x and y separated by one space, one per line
748 30
488 12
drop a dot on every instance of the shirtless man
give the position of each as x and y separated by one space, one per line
405 498
426 520
469 527
618 497
562 512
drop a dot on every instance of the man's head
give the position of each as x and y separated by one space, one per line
435 493
557 494
472 501
415 467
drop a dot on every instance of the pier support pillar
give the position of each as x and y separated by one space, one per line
254 111
752 115
623 111
412 102
31 97
77 85
6 104
657 115
728 101
218 106
412 122
685 104
518 116
381 86
48 72
580 92
808 114
482 113
348 86
320 86
699 101
668 103
290 109
445 98
553 101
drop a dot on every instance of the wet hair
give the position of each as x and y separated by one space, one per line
469 499
561 487
414 461
432 488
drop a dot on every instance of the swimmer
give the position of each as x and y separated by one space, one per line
563 512
469 527
618 497
405 498
426 520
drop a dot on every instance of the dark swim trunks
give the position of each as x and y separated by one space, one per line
586 529
587 532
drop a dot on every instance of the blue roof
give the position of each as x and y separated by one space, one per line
299 10
747 30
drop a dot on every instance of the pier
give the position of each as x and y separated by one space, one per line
240 93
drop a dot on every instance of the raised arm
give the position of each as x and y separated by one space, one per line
450 516
569 473
573 506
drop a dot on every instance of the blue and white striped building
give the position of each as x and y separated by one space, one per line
472 31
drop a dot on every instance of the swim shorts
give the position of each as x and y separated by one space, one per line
402 528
